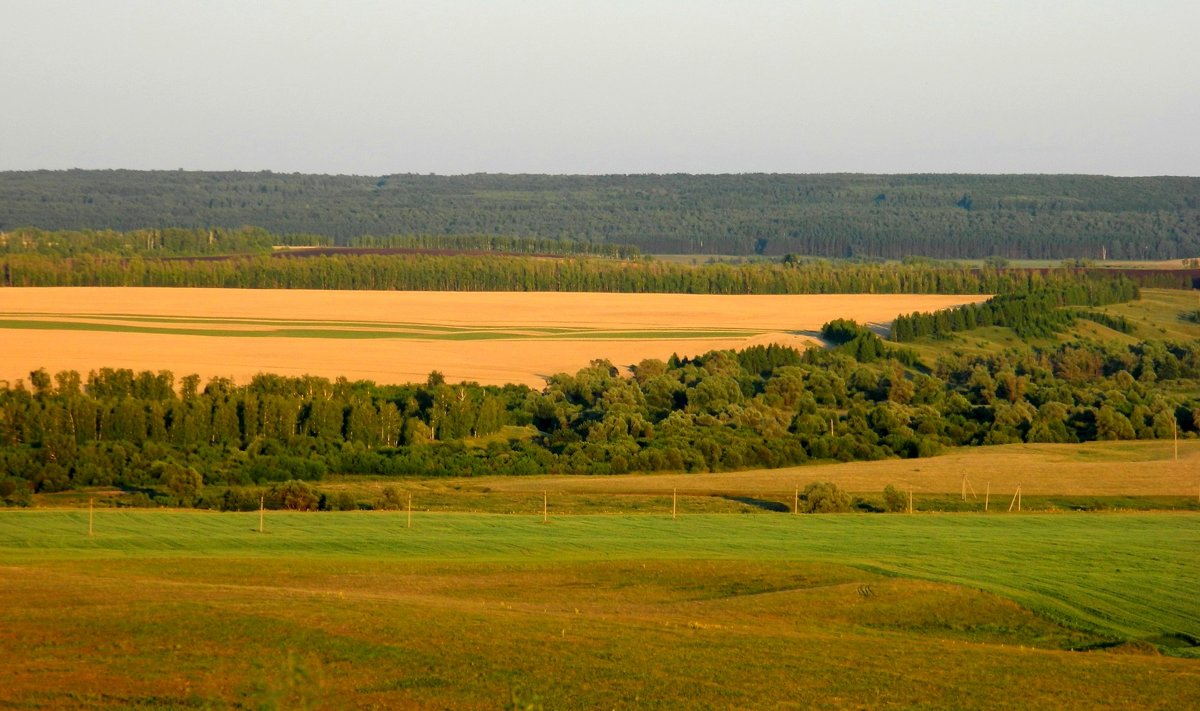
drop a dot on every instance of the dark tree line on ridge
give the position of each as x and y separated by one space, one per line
833 216
213 242
178 441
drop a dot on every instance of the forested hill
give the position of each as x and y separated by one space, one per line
892 216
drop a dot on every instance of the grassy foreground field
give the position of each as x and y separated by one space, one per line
396 337
173 609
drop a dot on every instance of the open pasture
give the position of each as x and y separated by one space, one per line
1095 476
395 337
353 610
1132 469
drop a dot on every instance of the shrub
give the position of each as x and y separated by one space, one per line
15 492
824 498
390 499
239 500
182 483
894 500
292 495
841 330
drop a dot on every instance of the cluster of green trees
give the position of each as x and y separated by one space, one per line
1034 313
863 344
495 272
762 407
1118 323
942 216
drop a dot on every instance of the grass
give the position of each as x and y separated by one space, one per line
1157 315
1095 476
1093 469
186 609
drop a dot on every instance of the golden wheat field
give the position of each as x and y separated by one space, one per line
1147 468
395 337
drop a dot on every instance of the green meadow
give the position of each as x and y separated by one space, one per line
201 610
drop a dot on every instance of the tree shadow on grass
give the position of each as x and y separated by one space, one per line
763 504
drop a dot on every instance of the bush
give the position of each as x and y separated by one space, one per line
182 483
390 499
894 500
824 498
137 500
841 330
294 495
52 478
15 492
239 500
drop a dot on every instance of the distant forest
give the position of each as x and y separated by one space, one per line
834 216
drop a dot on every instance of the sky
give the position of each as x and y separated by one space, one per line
620 86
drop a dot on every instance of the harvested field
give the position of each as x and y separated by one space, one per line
1146 468
395 337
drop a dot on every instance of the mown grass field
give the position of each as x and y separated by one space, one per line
1095 476
1127 468
198 610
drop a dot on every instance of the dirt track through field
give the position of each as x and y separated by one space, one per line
647 326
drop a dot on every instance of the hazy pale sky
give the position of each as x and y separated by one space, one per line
620 86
